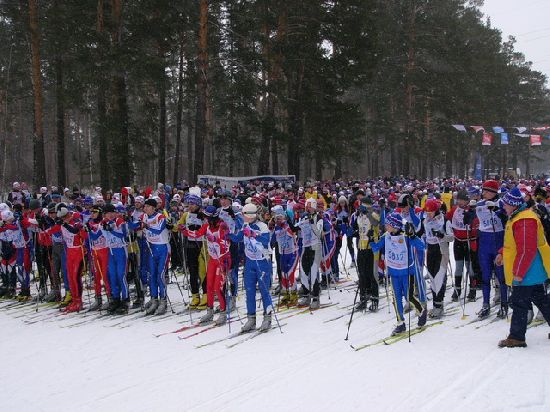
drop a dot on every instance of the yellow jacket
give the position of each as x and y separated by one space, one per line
510 248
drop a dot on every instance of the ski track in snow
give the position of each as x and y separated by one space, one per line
117 364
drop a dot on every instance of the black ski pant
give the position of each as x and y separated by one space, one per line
194 256
433 264
464 255
367 281
310 265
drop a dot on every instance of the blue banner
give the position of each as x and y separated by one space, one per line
504 138
478 168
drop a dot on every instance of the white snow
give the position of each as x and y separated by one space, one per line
48 366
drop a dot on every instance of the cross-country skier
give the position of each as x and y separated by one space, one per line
438 233
285 236
100 257
257 269
401 251
492 218
195 253
365 225
311 230
158 244
219 263
465 245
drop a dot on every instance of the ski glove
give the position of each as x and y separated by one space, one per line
249 232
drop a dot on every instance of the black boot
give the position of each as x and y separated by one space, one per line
503 311
373 305
122 307
456 295
362 305
113 306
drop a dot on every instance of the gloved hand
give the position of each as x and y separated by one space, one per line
469 217
492 206
370 233
409 230
410 201
249 232
439 234
107 227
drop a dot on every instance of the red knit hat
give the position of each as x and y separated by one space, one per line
490 186
432 205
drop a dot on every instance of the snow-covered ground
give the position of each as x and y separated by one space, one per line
118 364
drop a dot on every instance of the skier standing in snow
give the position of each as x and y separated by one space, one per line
438 233
400 249
158 244
311 230
492 218
100 257
257 269
365 225
465 245
219 263
285 237
115 230
195 254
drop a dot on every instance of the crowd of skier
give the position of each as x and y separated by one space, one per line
392 229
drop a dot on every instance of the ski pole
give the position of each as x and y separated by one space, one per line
408 280
352 311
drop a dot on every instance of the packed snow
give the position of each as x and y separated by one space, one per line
53 361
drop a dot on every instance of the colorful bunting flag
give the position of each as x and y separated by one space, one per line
504 138
460 127
536 140
478 128
498 129
520 129
522 134
487 139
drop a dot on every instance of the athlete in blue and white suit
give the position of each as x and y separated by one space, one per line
115 231
257 268
492 219
158 244
401 255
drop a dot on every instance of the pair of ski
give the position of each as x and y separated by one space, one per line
390 340
257 333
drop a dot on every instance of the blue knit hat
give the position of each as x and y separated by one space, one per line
395 220
473 191
193 200
513 197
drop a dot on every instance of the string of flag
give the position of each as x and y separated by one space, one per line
535 134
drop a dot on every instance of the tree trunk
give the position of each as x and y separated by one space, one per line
162 129
179 114
101 127
410 140
201 114
118 109
39 164
60 123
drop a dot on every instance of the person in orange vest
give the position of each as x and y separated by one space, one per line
525 256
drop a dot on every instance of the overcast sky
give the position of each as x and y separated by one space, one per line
528 21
